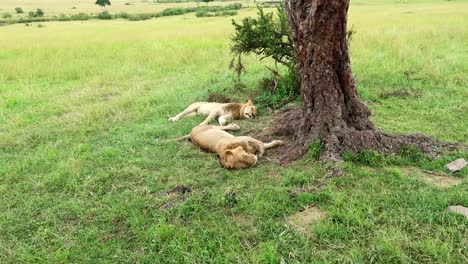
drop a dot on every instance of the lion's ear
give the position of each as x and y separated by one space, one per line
249 102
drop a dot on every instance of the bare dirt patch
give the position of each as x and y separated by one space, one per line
177 195
437 180
302 220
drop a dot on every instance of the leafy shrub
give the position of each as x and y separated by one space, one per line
220 8
6 15
19 10
63 17
104 15
174 11
145 16
32 19
235 6
229 13
123 15
39 13
80 16
279 90
138 17
268 35
202 13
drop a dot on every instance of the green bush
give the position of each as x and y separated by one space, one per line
39 13
228 13
19 10
235 6
63 17
139 17
104 15
145 16
268 36
228 10
279 90
123 15
174 11
32 19
6 15
80 16
220 8
202 13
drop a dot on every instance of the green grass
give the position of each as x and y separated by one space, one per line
57 7
83 175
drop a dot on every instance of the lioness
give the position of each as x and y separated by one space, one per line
223 112
234 152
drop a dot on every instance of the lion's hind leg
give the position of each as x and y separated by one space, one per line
189 111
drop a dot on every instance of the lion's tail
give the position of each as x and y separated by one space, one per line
180 139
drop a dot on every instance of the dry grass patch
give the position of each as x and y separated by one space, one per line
302 220
436 180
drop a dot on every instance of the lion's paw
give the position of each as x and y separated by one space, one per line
234 127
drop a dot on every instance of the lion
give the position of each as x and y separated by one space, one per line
223 112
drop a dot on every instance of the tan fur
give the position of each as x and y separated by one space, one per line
223 112
234 152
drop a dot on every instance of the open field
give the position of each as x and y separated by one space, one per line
84 177
58 7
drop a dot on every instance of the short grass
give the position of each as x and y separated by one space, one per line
83 176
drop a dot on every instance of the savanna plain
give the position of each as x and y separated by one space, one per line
86 177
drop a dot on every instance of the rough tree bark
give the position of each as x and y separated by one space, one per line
332 111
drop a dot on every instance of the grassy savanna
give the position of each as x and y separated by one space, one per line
84 176
58 7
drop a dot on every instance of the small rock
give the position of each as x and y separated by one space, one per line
459 210
456 165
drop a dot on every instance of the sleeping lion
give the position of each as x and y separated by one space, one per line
234 152
223 112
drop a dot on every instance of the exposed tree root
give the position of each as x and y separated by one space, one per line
289 123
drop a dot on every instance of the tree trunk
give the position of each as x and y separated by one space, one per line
332 111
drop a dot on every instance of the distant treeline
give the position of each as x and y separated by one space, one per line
185 1
201 11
